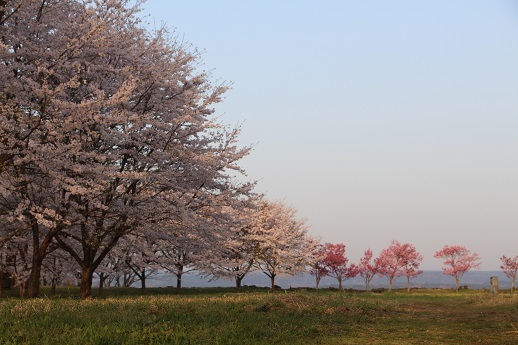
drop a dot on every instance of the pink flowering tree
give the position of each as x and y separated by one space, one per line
457 261
318 267
399 259
412 262
337 263
367 268
510 268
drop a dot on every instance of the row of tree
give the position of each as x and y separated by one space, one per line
110 155
397 260
113 164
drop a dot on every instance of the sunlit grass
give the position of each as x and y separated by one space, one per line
219 316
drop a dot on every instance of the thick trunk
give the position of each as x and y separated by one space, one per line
143 282
457 284
317 281
391 280
512 286
340 287
272 278
33 285
239 279
408 284
86 282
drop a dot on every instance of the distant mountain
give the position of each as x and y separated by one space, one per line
429 279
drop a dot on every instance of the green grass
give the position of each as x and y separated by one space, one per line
220 316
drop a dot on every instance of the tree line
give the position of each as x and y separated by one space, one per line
113 164
398 260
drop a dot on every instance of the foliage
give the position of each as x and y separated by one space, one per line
399 259
457 261
336 263
510 268
367 268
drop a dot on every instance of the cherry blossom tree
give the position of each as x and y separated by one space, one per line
285 246
399 259
367 268
105 130
336 263
412 262
510 268
318 266
238 247
457 261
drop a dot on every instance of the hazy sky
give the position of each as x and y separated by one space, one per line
377 120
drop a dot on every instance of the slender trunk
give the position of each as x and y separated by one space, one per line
239 279
143 282
367 285
317 281
23 290
102 278
53 286
391 280
457 284
408 285
272 278
86 282
178 283
512 285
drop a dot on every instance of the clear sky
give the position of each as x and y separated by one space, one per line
376 120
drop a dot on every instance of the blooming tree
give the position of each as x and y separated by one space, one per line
399 259
367 268
318 266
239 246
285 246
510 268
457 261
336 263
105 128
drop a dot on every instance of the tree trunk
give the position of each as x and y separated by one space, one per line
2 281
391 280
86 282
272 278
143 290
408 285
178 283
317 282
23 290
457 284
33 285
340 287
53 286
102 278
239 279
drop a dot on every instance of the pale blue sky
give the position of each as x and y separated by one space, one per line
377 120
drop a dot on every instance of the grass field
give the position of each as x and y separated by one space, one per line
220 316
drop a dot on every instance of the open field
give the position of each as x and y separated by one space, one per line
220 316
